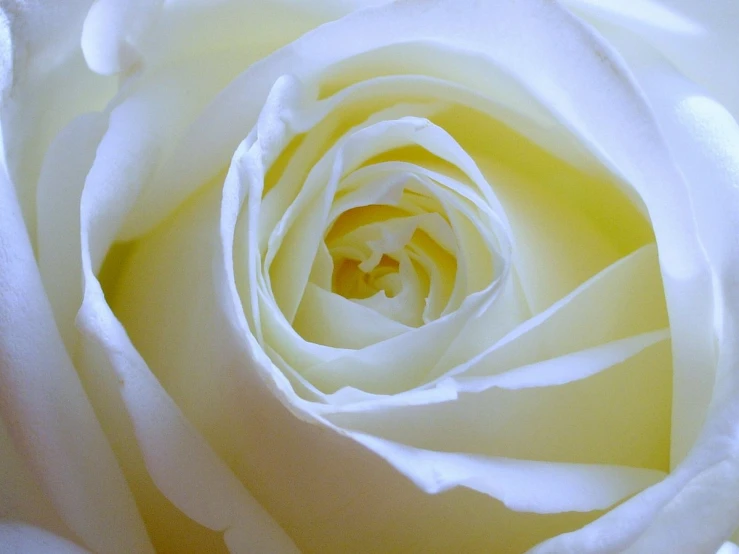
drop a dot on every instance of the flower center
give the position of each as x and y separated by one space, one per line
350 281
398 258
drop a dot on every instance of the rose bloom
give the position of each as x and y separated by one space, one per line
340 276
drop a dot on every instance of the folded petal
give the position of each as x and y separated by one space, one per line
702 136
699 39
47 84
179 460
522 485
53 426
333 494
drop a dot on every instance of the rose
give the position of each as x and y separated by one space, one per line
202 439
170 365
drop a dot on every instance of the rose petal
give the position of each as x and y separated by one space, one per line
728 548
327 318
21 497
128 135
332 493
119 34
703 138
60 185
179 460
601 309
45 407
45 84
698 39
567 368
18 537
63 177
224 123
614 410
112 30
522 485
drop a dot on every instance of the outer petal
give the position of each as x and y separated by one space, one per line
21 497
121 34
18 538
703 138
45 409
47 84
179 461
699 38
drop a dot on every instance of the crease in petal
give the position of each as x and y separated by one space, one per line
567 368
179 460
522 485
52 423
602 309
327 318
181 463
112 30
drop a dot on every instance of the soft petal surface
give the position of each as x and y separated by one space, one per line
199 347
641 159
728 548
698 38
47 83
330 492
180 462
45 409
21 497
17 538
703 139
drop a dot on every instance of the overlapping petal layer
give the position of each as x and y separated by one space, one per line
374 178
443 272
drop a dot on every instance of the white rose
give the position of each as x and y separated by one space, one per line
347 276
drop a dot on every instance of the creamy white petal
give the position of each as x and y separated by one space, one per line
549 227
728 548
334 494
66 164
682 529
505 313
17 538
564 369
522 485
112 31
617 412
45 84
177 457
119 34
601 309
666 514
21 497
327 318
179 460
63 178
216 133
698 38
703 138
50 418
